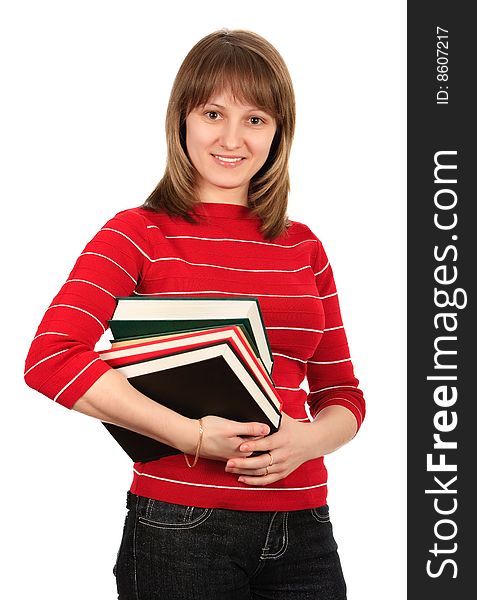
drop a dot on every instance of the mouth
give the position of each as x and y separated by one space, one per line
228 161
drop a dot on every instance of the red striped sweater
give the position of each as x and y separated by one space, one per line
139 252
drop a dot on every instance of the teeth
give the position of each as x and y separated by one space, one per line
230 160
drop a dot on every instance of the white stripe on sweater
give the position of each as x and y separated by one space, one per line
323 269
329 362
289 357
48 333
314 362
298 389
91 283
230 487
333 387
211 266
43 360
110 259
181 293
74 379
193 237
80 309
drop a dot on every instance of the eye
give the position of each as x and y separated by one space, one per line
212 115
256 120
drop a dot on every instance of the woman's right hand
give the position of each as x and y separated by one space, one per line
221 438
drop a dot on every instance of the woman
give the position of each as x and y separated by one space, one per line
231 524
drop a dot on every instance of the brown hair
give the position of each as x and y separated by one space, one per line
248 66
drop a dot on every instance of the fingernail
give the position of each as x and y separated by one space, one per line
244 448
264 429
231 465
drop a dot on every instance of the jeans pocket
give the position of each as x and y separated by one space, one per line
321 513
165 515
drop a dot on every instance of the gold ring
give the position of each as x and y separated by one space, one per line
271 459
266 471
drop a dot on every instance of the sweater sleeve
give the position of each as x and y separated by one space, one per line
62 363
330 373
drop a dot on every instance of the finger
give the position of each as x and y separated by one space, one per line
263 480
265 443
249 464
251 429
254 473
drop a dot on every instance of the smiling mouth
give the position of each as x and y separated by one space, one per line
228 159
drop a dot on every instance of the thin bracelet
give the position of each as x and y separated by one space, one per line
201 431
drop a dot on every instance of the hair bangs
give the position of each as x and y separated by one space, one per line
239 73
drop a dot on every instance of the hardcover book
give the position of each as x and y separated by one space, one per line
138 316
208 380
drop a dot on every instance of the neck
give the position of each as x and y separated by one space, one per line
218 195
223 201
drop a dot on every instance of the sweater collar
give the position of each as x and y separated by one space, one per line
224 210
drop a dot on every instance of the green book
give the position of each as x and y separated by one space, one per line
136 317
120 325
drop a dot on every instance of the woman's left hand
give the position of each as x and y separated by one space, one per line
289 447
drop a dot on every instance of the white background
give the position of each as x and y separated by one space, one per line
85 88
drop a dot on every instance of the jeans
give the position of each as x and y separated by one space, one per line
175 552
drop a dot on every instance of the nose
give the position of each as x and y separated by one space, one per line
231 136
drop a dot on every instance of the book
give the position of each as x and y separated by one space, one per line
127 341
208 380
138 316
147 348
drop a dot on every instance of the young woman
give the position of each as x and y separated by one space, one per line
230 525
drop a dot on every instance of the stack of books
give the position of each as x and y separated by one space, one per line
196 356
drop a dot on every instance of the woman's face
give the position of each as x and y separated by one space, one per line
228 143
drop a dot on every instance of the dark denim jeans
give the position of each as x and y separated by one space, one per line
175 552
